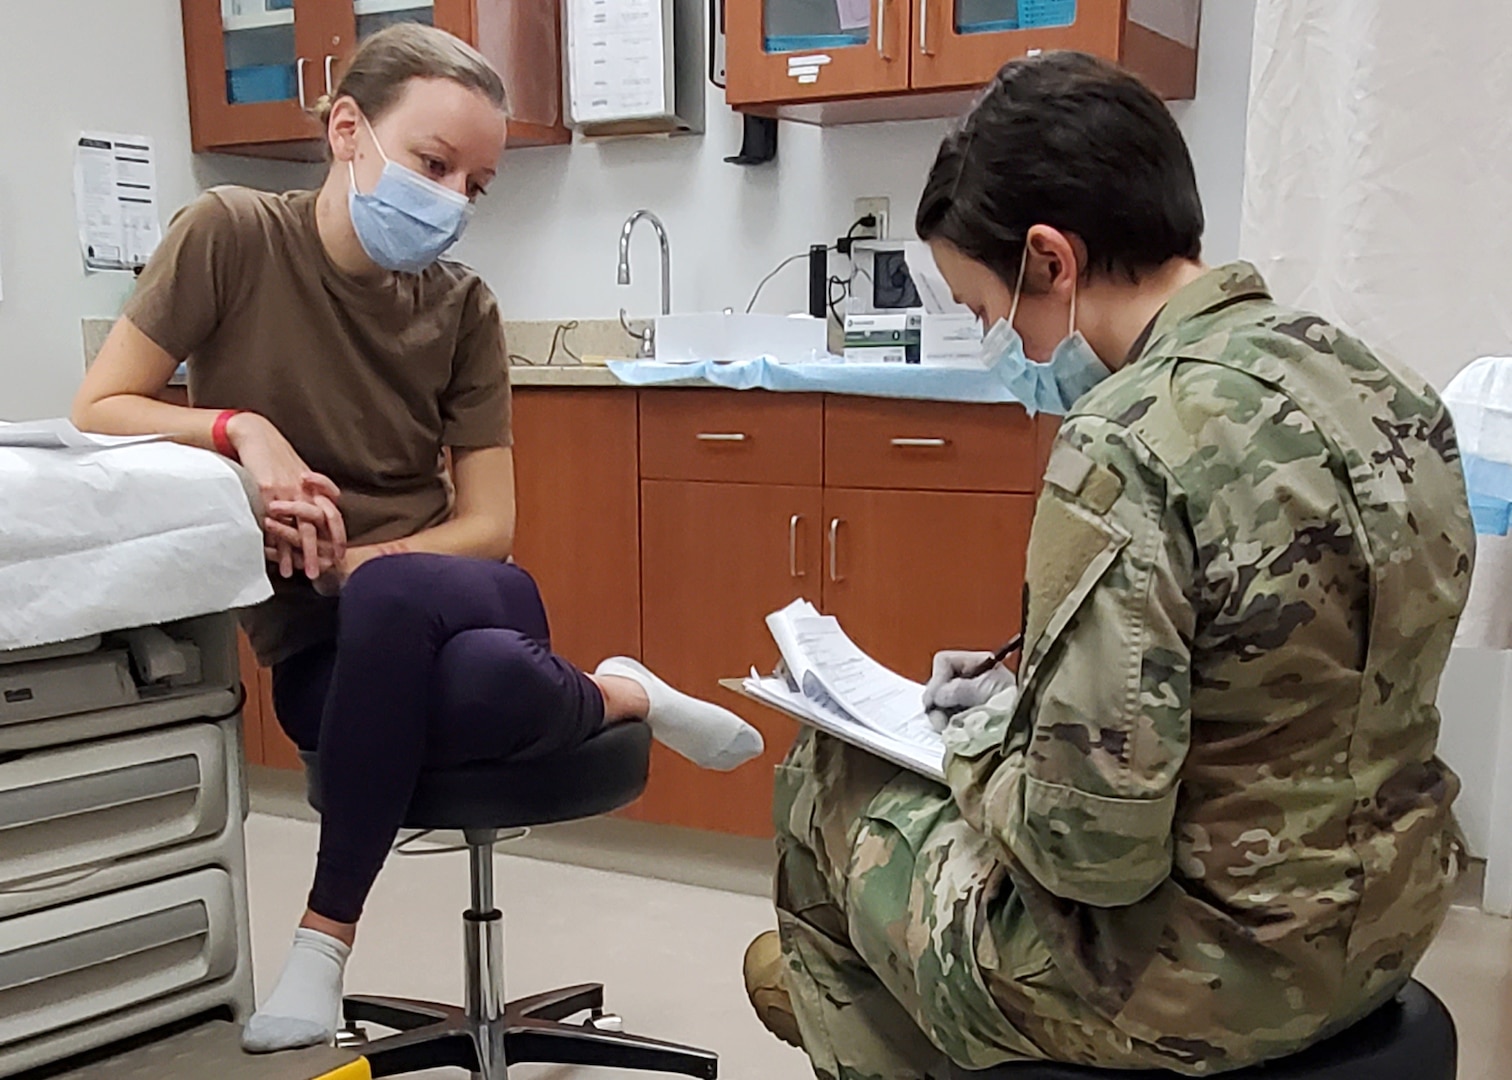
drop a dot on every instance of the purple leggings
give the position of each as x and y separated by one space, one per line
438 661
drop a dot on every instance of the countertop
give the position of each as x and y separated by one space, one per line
561 375
542 353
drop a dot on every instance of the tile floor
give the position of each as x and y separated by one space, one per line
670 952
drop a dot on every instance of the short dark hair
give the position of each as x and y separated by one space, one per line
1073 142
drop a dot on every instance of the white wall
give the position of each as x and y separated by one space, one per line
562 208
545 237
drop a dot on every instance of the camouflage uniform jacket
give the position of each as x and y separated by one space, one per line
1216 793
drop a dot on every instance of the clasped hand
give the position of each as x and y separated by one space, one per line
303 529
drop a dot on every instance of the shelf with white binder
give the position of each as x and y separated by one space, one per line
635 67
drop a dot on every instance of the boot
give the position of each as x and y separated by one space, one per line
767 988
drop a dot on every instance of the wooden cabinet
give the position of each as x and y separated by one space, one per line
915 540
716 558
256 66
577 516
919 58
262 739
910 572
666 524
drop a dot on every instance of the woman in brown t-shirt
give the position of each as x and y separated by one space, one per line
334 355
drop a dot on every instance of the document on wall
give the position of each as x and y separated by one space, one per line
828 682
115 195
616 60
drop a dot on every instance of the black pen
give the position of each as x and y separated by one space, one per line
1014 644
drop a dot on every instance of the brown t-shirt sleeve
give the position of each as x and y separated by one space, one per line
183 293
475 406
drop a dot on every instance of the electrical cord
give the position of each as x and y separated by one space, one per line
843 246
558 341
834 301
783 265
848 241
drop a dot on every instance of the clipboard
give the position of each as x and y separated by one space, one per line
857 735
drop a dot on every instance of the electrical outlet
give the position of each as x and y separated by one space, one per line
875 205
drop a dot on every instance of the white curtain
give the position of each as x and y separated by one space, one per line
1378 180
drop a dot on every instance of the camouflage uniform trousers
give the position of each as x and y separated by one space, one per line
894 959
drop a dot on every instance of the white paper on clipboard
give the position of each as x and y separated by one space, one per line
115 197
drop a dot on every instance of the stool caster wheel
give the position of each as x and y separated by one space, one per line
353 1036
603 1021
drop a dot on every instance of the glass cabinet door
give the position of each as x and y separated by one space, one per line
374 15
994 16
261 60
804 25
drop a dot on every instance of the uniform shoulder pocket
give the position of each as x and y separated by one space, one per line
1073 544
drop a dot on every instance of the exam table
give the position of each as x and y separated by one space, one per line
123 904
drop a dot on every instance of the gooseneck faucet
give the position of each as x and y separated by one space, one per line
647 339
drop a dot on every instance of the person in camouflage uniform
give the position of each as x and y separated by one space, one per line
1208 827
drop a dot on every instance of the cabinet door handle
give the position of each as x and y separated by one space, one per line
834 546
928 443
299 66
330 62
793 570
924 28
882 29
721 436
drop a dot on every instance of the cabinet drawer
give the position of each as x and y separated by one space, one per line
744 438
928 446
74 964
63 812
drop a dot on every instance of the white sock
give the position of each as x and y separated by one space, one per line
706 734
305 1007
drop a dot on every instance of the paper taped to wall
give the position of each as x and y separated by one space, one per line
115 195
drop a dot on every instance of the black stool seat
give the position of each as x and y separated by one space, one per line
601 775
488 1033
1410 1038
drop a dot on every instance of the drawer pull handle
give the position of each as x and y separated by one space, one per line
834 552
882 29
934 444
721 436
793 570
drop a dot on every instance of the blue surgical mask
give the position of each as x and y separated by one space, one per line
1054 386
408 221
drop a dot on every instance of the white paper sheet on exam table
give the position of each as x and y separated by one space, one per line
62 435
96 540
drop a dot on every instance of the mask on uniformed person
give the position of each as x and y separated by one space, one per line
1054 386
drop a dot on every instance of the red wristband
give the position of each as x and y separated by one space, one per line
219 437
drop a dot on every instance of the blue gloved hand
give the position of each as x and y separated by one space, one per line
954 685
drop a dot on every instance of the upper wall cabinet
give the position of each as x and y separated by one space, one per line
255 67
848 61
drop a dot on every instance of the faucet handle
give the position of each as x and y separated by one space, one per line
647 338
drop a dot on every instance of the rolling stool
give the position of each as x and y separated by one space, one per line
603 774
1409 1038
